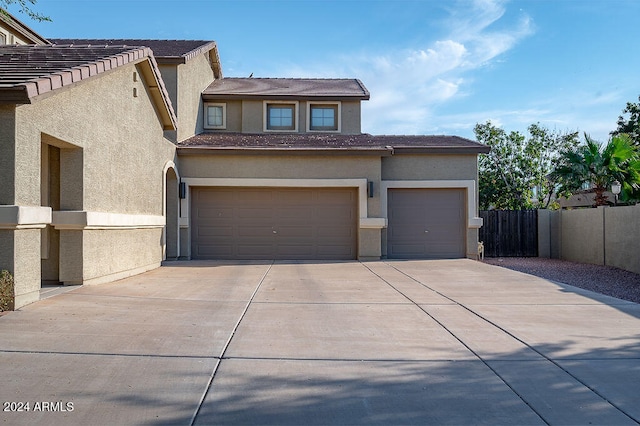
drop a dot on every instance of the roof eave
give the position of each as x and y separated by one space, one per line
483 149
24 30
211 48
14 95
159 93
235 97
207 150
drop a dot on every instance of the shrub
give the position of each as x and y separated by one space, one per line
6 291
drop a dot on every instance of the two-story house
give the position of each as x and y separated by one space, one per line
281 170
118 154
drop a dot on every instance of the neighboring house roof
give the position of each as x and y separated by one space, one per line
32 70
286 88
21 29
304 142
166 52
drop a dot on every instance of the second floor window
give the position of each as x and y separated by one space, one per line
280 117
215 116
323 117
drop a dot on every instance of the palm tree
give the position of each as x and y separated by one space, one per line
600 165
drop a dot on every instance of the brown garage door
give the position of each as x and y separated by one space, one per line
274 223
426 223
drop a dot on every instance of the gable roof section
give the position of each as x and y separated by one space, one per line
31 70
286 88
21 29
166 52
303 143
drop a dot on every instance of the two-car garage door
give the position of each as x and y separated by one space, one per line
274 223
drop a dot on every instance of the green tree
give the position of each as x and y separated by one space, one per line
629 122
600 165
516 173
24 6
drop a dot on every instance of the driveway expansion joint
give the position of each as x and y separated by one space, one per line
547 358
226 345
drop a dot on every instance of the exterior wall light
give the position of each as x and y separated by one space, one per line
616 188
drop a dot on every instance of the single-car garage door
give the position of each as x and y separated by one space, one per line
426 223
274 223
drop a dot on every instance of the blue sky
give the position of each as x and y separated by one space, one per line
432 67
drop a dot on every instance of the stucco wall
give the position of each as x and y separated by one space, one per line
622 237
582 235
286 167
234 116
251 114
111 158
193 77
280 166
252 117
129 251
12 36
351 118
118 135
428 167
19 252
602 236
7 154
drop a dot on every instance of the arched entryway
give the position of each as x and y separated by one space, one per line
171 213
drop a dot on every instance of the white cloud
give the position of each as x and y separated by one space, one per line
408 83
411 83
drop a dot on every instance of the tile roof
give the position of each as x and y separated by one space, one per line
36 69
165 51
282 88
292 142
27 71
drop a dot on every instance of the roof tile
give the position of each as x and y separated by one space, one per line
27 71
306 141
162 49
265 88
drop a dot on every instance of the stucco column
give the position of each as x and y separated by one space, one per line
369 244
20 249
71 257
20 255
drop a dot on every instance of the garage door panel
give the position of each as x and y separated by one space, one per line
440 212
254 231
211 212
332 214
309 223
300 232
215 231
254 213
332 233
297 214
325 252
405 249
294 197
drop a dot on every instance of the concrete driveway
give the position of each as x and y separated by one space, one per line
394 342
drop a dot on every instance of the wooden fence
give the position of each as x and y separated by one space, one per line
509 233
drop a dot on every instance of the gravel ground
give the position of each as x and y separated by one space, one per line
601 279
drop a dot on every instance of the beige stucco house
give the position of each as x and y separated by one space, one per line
118 154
